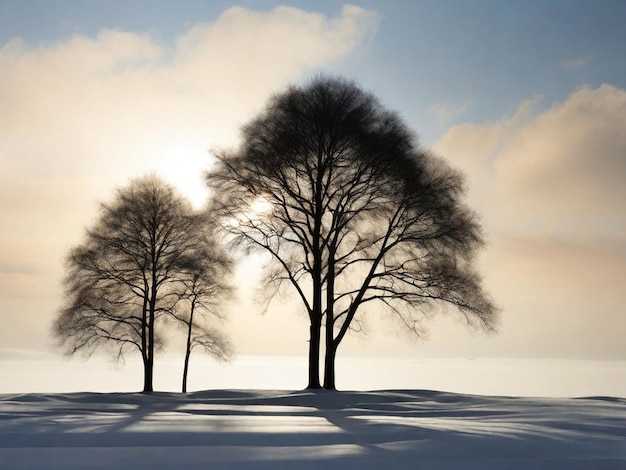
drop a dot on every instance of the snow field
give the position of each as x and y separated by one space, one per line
265 429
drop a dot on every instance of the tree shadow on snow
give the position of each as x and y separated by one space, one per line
259 429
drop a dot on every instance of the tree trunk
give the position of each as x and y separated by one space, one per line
329 353
148 387
329 366
315 316
147 375
314 353
315 326
144 339
188 348
330 344
185 369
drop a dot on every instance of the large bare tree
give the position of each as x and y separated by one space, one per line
353 213
134 266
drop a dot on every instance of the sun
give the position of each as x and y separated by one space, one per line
184 166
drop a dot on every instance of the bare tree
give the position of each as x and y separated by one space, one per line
352 212
204 286
128 272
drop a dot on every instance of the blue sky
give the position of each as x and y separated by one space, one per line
528 98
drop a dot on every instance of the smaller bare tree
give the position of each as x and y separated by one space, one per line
129 272
203 288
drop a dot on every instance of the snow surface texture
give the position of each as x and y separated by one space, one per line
238 429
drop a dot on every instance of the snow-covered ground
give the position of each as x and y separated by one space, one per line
50 417
240 429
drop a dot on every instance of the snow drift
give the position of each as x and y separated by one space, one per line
239 429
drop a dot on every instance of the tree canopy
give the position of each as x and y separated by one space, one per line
352 211
146 254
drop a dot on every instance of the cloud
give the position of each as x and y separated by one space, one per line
562 169
84 115
550 187
569 163
92 100
445 114
574 64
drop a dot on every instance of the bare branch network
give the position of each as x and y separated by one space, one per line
353 212
332 187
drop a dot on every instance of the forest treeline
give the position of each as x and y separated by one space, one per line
328 183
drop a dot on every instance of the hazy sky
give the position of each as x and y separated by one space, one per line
528 98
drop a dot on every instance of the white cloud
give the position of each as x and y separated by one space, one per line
81 117
98 102
562 169
569 164
550 187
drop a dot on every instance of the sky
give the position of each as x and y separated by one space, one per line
527 98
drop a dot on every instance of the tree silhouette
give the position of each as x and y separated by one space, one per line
204 285
133 266
352 212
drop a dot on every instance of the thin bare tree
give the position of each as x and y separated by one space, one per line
204 287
